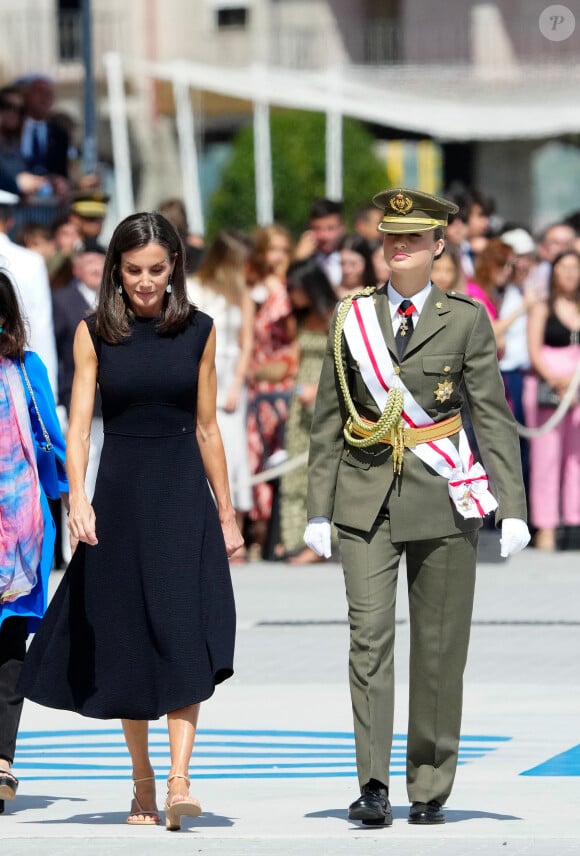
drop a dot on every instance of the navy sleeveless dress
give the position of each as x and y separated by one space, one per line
144 622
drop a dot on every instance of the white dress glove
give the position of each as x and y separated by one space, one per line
317 536
515 535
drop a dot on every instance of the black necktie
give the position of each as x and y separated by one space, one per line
405 310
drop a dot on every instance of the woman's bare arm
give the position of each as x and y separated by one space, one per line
81 516
211 446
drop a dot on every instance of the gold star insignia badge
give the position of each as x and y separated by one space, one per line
439 305
444 390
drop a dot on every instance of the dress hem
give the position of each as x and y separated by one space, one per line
221 676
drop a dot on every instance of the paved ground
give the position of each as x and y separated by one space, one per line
274 761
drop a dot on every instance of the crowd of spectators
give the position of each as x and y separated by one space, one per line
272 298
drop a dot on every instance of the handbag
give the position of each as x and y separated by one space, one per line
547 395
46 458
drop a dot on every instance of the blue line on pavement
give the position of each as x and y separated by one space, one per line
221 732
57 746
271 754
54 753
57 741
321 775
258 756
565 764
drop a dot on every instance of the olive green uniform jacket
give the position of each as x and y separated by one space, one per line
452 341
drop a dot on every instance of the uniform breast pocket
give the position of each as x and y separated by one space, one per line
442 373
445 365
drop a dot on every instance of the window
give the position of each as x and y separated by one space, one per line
69 30
232 17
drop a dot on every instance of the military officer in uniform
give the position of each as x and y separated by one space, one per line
390 465
88 210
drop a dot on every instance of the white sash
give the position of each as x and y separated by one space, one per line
468 482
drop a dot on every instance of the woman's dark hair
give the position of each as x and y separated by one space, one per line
307 276
559 257
114 312
13 336
357 244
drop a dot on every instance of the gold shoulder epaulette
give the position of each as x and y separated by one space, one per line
458 295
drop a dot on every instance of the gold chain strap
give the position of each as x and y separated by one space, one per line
45 434
390 419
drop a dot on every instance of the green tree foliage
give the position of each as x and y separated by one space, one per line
298 172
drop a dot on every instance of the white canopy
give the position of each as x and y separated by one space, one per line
450 103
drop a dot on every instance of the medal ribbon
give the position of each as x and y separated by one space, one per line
406 312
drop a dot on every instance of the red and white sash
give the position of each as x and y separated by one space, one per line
468 482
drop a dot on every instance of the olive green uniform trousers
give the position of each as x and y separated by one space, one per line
441 582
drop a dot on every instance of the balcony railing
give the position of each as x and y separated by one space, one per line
380 42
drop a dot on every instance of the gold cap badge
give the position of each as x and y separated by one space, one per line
401 203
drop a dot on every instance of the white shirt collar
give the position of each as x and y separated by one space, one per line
331 265
89 294
418 299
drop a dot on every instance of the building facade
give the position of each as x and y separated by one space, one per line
496 47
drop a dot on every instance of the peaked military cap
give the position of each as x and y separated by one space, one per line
91 204
412 211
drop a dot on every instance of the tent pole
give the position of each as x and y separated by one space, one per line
263 164
188 157
334 155
120 135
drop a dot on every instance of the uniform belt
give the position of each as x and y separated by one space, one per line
412 436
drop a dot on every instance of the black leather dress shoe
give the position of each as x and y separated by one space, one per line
424 813
8 785
372 807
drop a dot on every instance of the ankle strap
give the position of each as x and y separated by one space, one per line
177 776
145 779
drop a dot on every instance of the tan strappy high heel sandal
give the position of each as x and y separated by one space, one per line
149 817
178 807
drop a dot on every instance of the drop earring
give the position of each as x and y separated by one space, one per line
169 288
120 289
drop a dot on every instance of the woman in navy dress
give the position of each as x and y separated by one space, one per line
143 622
